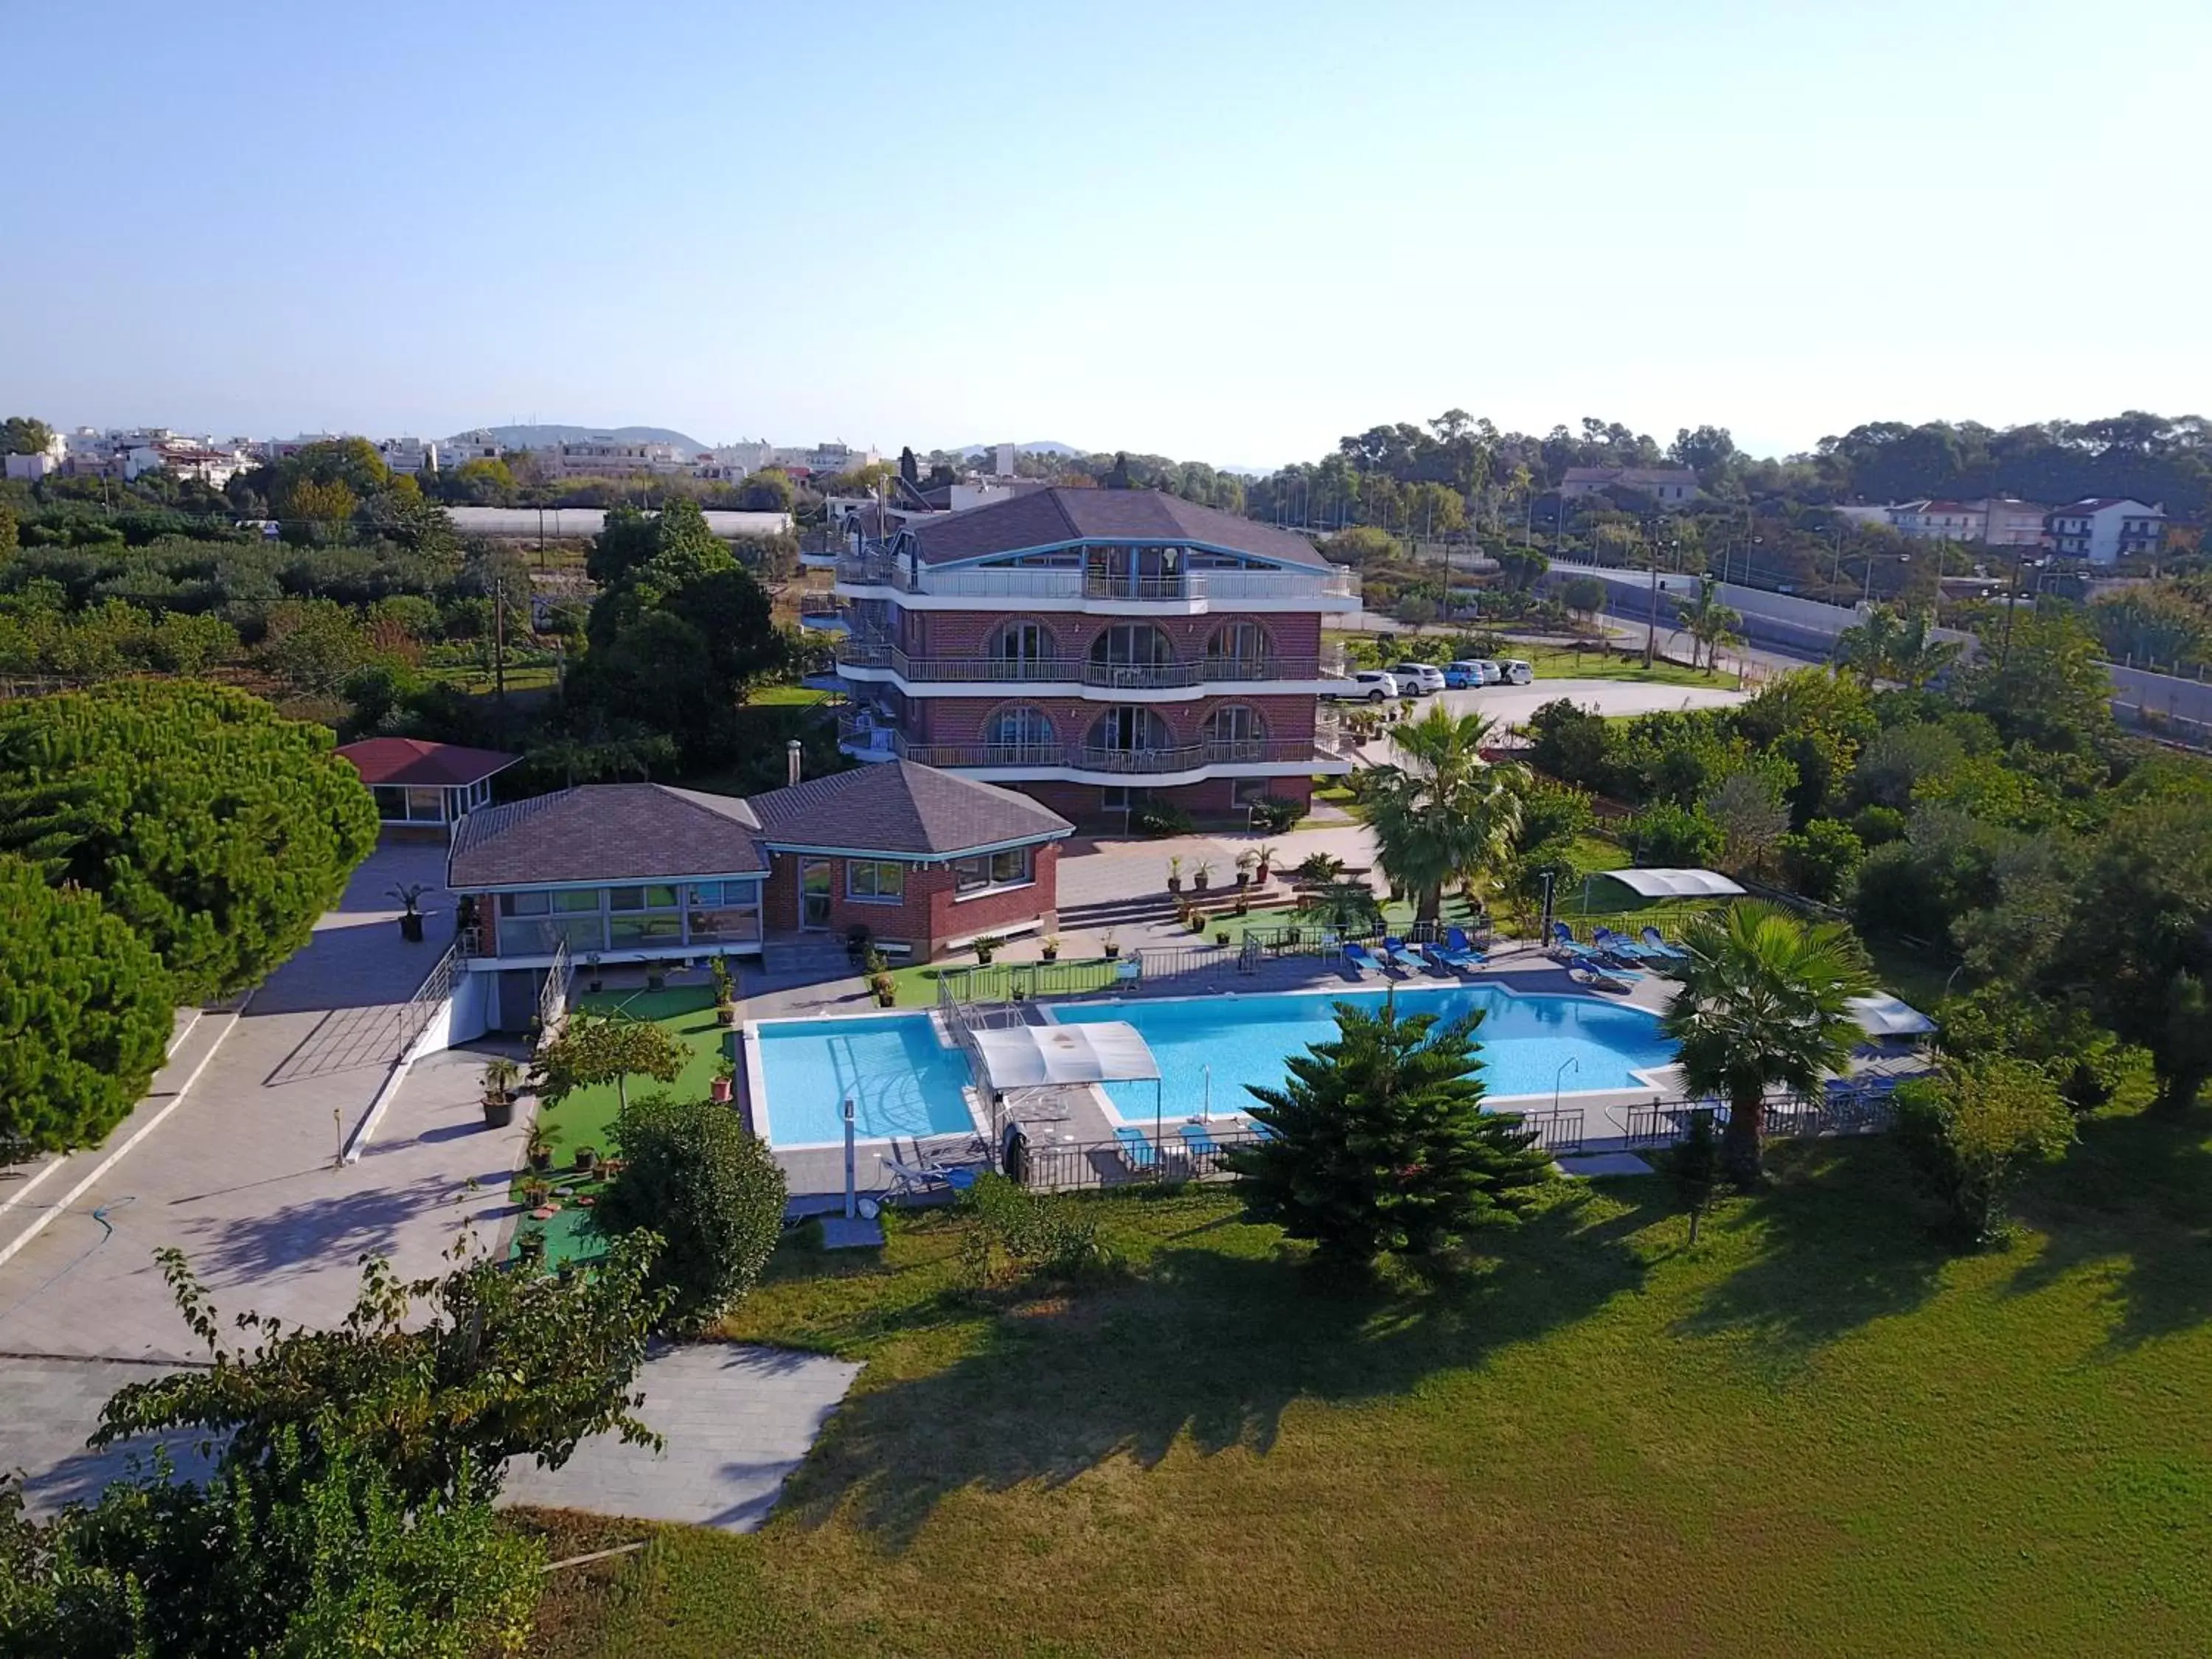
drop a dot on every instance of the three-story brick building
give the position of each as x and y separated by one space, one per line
1097 649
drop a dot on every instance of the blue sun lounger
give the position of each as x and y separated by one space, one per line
1456 951
1656 942
1362 959
1619 947
1137 1151
1200 1140
1406 955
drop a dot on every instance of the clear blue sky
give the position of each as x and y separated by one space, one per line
1228 231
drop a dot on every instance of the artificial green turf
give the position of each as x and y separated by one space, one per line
689 1011
1815 1432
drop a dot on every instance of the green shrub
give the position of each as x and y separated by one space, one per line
1159 818
1820 860
1020 1235
694 1173
85 1013
1975 1129
1674 837
1272 815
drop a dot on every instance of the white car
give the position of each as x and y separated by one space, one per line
1419 680
1514 671
1372 684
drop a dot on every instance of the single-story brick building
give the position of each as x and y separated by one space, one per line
626 872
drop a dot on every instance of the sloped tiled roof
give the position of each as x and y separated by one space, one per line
1049 518
411 760
901 808
605 832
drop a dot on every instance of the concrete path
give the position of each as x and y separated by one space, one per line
241 1174
738 1421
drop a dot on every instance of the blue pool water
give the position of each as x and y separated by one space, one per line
1525 1039
901 1082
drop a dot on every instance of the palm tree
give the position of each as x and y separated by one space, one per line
1889 645
1765 999
1710 623
1442 814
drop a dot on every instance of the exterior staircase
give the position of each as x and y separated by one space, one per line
802 957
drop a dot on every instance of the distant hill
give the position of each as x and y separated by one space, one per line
537 437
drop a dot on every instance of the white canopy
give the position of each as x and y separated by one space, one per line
1884 1016
1039 1056
1676 883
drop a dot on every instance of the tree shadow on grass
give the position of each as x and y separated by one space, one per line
1207 1348
1842 1239
2137 1191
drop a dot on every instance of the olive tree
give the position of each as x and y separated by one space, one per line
215 828
85 1011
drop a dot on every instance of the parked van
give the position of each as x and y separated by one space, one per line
1514 671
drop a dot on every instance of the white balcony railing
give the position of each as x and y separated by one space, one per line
1213 586
1324 746
866 653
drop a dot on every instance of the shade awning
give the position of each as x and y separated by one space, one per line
1676 883
1885 1016
1039 1056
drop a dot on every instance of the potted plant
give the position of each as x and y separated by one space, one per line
530 1245
1110 945
544 1136
985 948
1196 922
856 943
1221 936
410 919
885 988
587 1159
725 989
500 1074
1266 866
725 1076
1243 905
656 978
1202 876
1051 951
592 979
1245 862
1175 875
534 1192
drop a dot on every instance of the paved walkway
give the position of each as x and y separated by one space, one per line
738 1421
241 1174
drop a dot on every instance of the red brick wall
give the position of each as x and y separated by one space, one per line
925 913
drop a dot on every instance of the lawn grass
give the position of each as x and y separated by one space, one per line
1816 1433
687 1010
784 697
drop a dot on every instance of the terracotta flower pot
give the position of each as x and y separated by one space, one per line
719 1091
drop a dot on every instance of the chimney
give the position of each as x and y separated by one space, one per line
791 760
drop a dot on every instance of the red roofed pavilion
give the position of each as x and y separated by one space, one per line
425 786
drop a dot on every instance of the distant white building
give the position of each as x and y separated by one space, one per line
1669 486
734 461
29 469
2106 529
821 461
615 458
408 455
1994 521
186 457
458 451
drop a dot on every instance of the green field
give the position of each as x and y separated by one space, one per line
1814 1433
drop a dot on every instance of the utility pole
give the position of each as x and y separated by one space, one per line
1651 627
499 644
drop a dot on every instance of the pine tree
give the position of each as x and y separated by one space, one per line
1379 1144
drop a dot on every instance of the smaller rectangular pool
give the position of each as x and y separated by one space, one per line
902 1081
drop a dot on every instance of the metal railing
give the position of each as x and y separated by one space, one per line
1073 582
860 733
433 993
866 653
1076 1166
553 991
1555 1132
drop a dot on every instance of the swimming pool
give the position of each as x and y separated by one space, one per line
902 1082
1525 1042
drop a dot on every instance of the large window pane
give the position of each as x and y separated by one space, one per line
640 932
426 806
523 904
575 902
391 802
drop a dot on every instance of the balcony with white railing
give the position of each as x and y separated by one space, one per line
866 657
1071 587
1324 751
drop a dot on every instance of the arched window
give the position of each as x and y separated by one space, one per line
1234 732
1238 651
1131 645
1020 642
1129 731
1019 725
